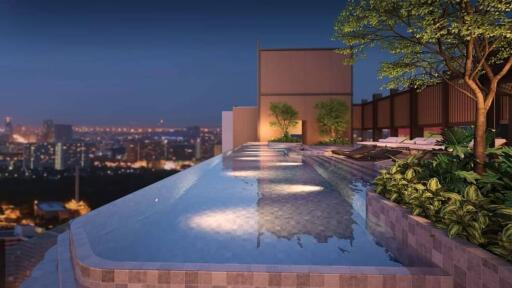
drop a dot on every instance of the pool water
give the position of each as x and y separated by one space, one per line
257 205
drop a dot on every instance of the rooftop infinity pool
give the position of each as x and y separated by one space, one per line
255 205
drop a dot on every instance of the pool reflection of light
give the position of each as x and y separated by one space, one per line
244 173
235 221
278 189
286 164
270 153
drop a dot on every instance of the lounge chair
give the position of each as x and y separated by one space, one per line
360 150
498 142
376 155
387 142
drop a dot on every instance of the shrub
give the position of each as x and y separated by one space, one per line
332 118
443 188
285 117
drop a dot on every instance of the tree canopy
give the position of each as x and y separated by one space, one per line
433 41
285 117
332 118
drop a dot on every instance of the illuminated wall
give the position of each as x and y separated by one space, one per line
301 78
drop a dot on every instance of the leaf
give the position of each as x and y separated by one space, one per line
472 193
469 176
433 184
454 229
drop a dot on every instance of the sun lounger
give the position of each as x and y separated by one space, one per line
387 142
376 155
360 150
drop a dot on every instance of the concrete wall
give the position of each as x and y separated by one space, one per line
245 125
227 131
301 78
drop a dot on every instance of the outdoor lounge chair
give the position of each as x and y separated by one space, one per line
386 142
376 155
360 150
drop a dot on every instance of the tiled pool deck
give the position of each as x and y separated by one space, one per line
94 271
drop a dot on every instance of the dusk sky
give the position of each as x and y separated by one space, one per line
126 62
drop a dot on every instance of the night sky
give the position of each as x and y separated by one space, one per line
132 62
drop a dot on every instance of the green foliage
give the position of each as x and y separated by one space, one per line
444 189
332 117
286 139
428 39
285 117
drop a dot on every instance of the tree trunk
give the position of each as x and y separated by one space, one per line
479 145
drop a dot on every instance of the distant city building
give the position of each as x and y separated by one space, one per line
48 132
69 155
54 133
9 128
198 149
41 156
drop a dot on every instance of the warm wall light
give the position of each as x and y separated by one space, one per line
235 221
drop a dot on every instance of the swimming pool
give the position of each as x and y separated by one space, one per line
257 205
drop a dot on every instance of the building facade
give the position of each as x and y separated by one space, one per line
298 77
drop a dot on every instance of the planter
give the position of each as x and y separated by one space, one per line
468 264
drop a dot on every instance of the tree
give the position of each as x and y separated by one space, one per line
332 118
285 117
434 41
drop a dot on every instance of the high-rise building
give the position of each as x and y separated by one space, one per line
9 129
69 155
198 149
48 133
55 133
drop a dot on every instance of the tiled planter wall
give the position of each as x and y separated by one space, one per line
469 265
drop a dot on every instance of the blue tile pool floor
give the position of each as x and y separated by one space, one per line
257 205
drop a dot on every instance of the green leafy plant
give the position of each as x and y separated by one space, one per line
285 117
332 117
442 187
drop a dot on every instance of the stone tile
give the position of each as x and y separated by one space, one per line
375 281
316 280
107 276
95 275
303 280
274 279
177 277
288 280
239 278
220 278
120 276
459 276
191 278
331 280
389 281
137 276
205 278
152 277
164 277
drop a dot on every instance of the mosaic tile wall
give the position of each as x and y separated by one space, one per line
469 265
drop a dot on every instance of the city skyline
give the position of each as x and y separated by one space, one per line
100 63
